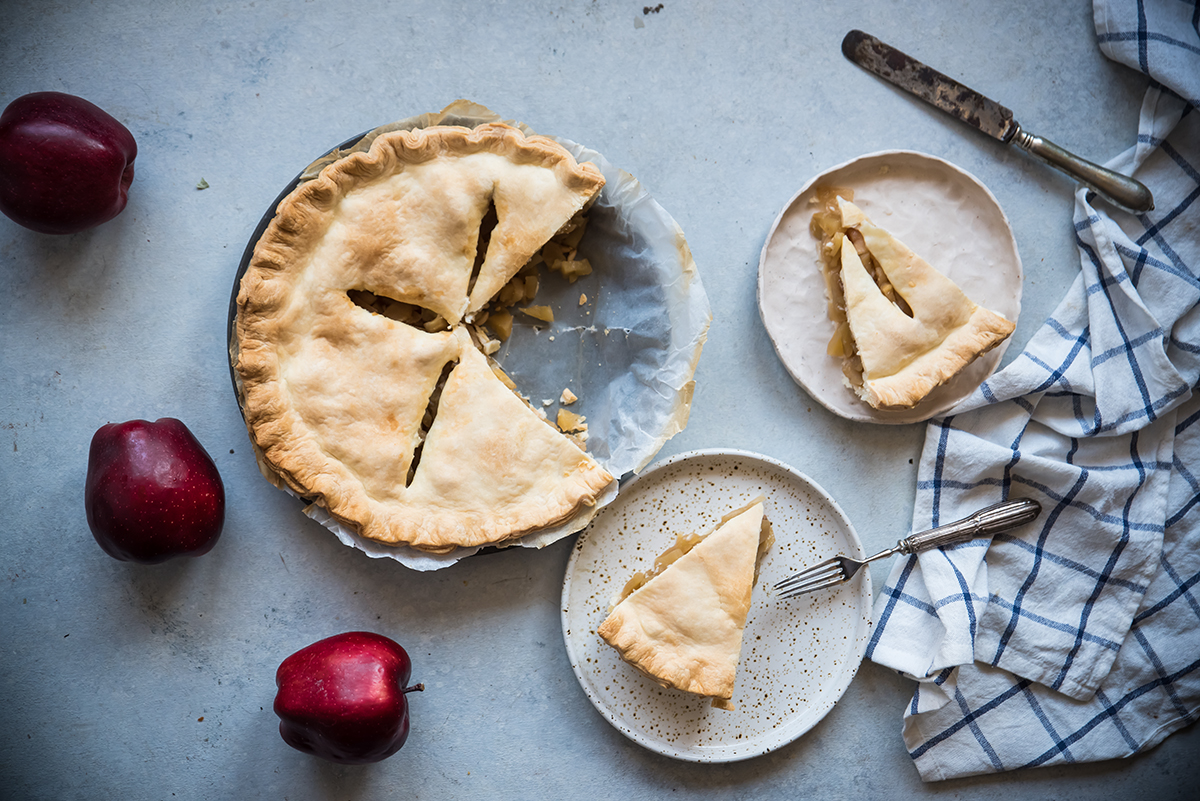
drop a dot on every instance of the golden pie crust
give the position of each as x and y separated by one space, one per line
684 626
905 357
334 394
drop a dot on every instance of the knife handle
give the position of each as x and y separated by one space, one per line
1120 189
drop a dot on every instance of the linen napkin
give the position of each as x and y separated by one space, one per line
1077 637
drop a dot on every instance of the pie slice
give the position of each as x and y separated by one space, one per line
684 626
362 426
908 328
400 428
491 468
404 220
528 212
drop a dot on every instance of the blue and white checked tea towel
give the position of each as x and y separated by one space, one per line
1076 638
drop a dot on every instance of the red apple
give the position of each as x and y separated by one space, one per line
65 164
344 698
152 492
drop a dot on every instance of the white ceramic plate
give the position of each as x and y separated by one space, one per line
943 213
798 656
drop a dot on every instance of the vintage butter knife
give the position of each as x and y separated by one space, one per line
988 116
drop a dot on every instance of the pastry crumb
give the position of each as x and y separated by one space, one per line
568 397
582 298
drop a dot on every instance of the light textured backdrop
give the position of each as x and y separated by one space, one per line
120 681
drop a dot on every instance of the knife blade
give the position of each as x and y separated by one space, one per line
988 117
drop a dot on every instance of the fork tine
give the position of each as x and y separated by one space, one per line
832 573
820 569
801 589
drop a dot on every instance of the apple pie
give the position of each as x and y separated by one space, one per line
400 426
903 328
682 625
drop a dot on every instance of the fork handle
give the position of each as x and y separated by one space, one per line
987 522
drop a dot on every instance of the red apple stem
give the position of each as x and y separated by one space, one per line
415 688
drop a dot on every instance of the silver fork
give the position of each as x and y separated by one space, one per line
986 522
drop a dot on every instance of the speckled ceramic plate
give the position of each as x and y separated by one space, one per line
798 656
943 213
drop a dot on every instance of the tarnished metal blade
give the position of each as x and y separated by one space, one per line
930 85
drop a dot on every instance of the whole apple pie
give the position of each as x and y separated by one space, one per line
365 380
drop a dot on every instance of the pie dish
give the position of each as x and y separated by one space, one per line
683 627
908 328
407 434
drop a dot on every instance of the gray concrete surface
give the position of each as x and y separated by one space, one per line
120 681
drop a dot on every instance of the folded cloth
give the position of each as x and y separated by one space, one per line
1157 37
1076 638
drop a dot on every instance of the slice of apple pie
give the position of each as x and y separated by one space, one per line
903 328
683 624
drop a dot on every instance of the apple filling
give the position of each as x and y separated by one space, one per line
492 325
558 254
407 313
827 226
427 419
684 543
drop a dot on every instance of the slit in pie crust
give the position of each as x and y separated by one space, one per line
334 392
903 328
683 625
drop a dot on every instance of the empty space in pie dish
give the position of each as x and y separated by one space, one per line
940 211
625 339
798 656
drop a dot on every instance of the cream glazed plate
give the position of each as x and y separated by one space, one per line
943 213
798 656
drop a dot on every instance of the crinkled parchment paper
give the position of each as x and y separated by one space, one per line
628 351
